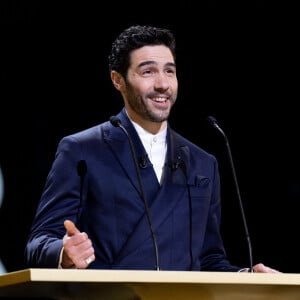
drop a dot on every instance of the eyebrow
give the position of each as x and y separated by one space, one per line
152 62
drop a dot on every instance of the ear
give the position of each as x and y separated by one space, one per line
117 80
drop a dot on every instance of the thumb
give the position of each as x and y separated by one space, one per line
71 229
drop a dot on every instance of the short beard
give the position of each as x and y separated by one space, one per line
139 107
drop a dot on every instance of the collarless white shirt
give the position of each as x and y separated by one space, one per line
155 146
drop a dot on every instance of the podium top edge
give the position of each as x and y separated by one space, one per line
138 276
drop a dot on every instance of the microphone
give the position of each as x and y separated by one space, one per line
143 161
175 164
214 123
115 121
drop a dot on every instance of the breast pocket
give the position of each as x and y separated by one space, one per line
200 186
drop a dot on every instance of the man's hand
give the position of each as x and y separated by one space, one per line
78 251
261 268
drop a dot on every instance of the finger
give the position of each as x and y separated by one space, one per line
261 268
71 229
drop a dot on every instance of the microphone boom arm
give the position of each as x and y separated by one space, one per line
213 121
117 123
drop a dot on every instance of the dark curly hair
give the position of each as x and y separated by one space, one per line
134 38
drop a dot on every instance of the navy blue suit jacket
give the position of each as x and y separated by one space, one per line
93 182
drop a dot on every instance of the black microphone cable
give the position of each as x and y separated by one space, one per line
81 170
115 121
214 123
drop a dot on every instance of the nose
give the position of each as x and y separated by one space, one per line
162 82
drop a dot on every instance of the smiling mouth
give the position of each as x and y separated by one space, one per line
159 100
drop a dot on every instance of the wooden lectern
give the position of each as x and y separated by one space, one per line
147 285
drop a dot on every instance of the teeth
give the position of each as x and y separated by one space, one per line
159 99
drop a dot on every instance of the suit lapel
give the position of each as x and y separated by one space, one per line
120 146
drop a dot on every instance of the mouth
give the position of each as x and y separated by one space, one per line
159 99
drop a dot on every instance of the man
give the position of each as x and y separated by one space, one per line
132 193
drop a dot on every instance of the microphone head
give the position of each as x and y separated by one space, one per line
212 120
115 121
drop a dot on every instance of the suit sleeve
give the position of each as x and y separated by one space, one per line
60 200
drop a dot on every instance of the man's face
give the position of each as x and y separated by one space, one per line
151 84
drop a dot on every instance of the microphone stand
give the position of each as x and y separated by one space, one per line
214 122
117 123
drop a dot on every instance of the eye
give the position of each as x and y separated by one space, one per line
170 71
146 72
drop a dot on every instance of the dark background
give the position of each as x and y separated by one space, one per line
237 62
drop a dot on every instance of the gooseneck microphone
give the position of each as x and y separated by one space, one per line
214 123
115 121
